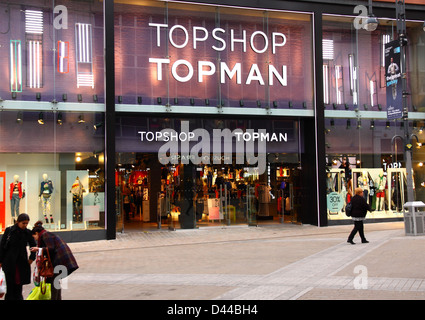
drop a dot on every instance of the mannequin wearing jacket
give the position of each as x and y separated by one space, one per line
16 194
77 191
46 191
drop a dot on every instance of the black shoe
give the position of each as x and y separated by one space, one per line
365 241
351 242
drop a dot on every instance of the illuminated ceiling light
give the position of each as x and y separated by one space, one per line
19 118
359 124
78 159
81 119
59 120
40 118
33 21
421 164
387 124
98 125
372 124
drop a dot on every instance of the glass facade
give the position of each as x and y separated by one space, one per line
221 64
365 147
51 156
217 114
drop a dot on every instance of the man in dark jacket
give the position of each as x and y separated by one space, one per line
14 257
358 214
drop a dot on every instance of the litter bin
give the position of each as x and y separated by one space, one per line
414 220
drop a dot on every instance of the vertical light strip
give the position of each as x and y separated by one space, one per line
385 40
372 92
63 56
353 78
30 64
34 64
338 83
83 34
326 98
84 42
15 66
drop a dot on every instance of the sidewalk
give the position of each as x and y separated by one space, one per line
285 262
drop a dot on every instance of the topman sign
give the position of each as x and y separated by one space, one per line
220 40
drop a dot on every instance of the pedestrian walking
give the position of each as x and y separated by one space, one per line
14 257
60 255
358 213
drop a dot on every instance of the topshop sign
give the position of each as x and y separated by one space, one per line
183 70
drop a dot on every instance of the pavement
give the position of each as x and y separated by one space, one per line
241 263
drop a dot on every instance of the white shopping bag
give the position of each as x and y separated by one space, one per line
2 283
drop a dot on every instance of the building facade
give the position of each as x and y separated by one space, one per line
171 114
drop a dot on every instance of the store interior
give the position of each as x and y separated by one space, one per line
177 196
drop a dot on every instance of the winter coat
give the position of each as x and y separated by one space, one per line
14 255
60 253
360 207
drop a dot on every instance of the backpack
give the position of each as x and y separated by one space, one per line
348 209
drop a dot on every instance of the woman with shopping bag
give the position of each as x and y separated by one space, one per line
14 257
58 253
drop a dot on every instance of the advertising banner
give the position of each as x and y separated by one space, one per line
393 80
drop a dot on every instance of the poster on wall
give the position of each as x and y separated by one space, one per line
393 80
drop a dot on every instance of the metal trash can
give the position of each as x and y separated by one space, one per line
414 220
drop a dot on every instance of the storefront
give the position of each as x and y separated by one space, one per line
164 114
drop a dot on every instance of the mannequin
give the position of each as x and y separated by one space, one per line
77 190
329 183
46 191
380 183
17 192
364 184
